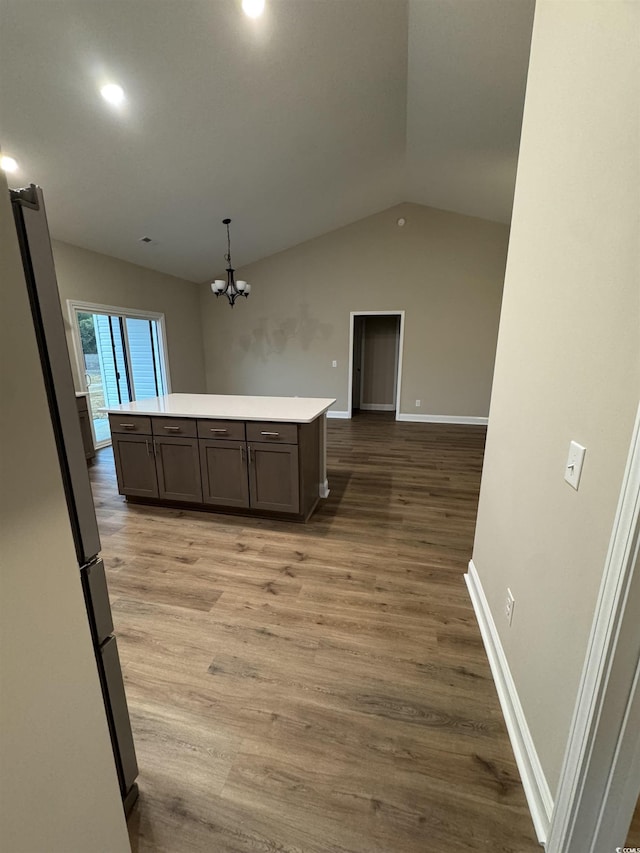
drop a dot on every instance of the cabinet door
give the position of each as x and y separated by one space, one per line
135 465
273 476
225 477
87 437
178 467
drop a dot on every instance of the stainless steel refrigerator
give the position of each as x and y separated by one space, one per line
37 258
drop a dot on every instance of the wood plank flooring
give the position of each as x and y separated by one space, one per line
317 688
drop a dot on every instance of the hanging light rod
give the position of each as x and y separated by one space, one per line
230 288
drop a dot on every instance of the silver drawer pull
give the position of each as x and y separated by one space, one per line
274 434
218 430
172 429
128 426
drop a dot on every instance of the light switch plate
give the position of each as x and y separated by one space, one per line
574 464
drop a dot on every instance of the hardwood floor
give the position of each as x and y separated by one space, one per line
321 687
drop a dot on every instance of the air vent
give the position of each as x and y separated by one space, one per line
145 240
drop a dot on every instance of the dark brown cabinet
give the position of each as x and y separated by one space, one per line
178 468
155 466
135 465
273 477
259 467
85 427
224 471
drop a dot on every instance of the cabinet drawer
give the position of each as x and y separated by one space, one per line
174 426
232 430
130 423
276 433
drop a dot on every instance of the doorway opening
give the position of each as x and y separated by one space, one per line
375 361
121 357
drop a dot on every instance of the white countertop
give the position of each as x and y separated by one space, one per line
299 410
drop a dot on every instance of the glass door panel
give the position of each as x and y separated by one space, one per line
123 361
94 375
142 346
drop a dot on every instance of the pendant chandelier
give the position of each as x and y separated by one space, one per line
230 288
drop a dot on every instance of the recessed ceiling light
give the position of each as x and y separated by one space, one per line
8 164
253 8
113 93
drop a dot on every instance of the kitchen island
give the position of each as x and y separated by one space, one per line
227 453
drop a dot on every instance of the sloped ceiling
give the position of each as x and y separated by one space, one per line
314 115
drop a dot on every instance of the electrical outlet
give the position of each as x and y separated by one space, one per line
418 403
509 605
334 364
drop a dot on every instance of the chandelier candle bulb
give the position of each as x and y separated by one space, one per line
242 286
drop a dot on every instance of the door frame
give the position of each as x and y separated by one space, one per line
600 777
400 355
75 305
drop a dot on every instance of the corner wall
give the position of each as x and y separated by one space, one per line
92 277
445 270
568 357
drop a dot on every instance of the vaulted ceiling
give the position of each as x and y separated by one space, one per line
314 115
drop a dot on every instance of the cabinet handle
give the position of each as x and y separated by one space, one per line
172 429
128 426
146 441
274 434
249 450
218 430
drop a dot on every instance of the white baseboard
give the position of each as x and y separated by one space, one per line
378 407
323 489
442 419
424 419
534 782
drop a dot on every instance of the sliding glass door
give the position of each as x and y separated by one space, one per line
121 357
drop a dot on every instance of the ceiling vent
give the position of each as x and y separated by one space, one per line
146 240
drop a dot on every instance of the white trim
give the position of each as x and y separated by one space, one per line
442 419
594 808
534 782
332 413
378 407
400 354
323 490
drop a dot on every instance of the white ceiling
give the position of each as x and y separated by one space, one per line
315 115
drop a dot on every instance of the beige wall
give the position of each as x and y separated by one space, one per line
379 366
58 785
92 277
568 359
444 269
